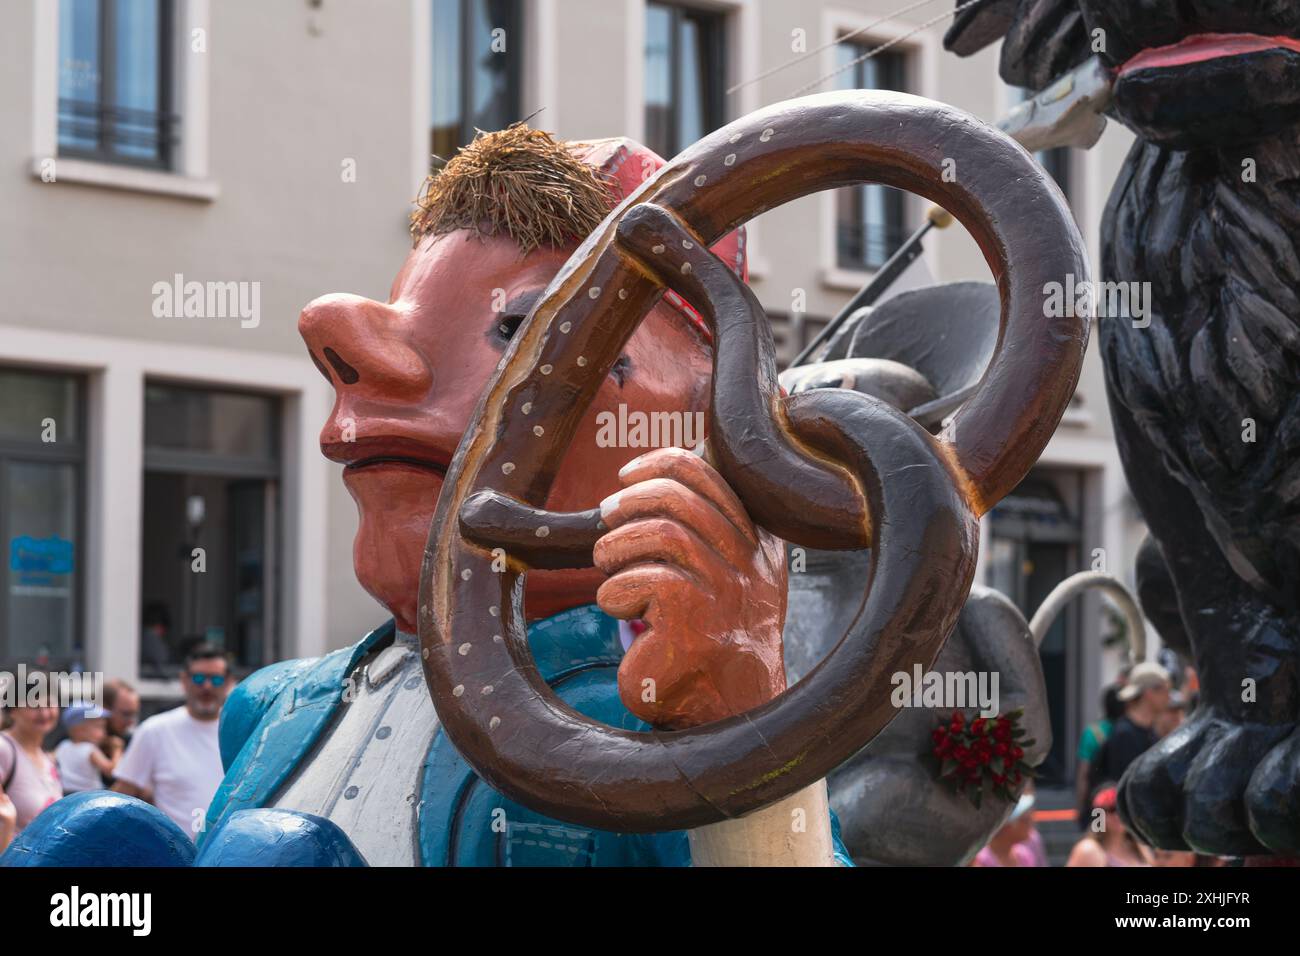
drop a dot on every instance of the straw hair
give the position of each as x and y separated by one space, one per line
518 181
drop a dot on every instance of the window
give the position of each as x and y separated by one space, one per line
685 68
211 482
1057 163
1034 544
115 96
791 333
476 70
868 219
42 453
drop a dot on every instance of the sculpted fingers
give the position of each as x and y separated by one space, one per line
683 556
693 472
634 591
651 540
669 499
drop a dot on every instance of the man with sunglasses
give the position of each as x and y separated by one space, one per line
174 760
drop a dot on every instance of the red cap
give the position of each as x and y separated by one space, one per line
627 164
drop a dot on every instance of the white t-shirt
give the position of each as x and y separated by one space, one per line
75 769
179 759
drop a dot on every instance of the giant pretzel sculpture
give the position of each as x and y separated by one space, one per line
825 469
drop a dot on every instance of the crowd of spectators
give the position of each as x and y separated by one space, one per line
171 760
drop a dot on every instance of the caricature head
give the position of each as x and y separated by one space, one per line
493 228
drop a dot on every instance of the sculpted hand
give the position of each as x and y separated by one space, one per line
682 555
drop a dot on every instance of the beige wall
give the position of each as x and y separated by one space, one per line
288 106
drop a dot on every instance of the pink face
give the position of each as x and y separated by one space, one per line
126 712
35 720
408 373
92 730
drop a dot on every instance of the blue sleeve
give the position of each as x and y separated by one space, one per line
841 851
249 702
670 848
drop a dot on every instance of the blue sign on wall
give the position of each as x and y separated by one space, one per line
36 559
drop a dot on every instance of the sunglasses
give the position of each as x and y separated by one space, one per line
199 680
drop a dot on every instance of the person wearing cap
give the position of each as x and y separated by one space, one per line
1090 743
1146 696
1012 844
79 758
1108 842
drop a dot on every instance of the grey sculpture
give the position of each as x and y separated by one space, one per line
922 351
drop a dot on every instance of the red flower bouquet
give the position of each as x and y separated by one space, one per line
984 750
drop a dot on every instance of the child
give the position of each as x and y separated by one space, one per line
80 760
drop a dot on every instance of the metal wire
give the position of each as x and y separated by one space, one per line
883 47
826 46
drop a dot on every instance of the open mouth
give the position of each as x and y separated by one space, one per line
1202 47
1211 90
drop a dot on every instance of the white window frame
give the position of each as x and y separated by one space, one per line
923 52
116 371
741 37
537 73
189 178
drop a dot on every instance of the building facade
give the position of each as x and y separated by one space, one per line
179 177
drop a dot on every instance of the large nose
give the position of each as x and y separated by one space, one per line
365 347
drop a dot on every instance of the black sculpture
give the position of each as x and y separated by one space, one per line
1206 397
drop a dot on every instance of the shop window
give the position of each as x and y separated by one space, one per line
1033 546
42 456
210 526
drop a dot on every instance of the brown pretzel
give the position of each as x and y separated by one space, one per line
826 468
